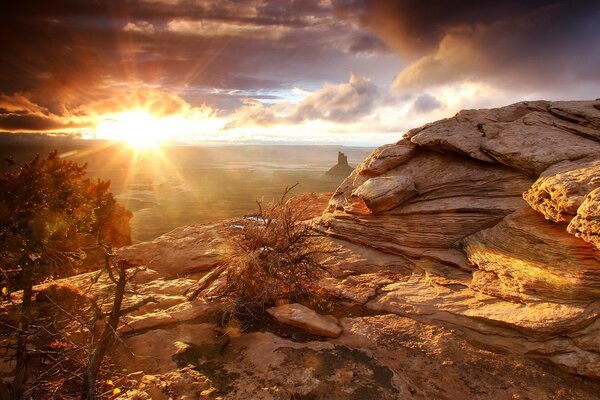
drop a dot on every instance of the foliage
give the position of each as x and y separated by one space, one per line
272 257
49 211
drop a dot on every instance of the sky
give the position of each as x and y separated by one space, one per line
352 72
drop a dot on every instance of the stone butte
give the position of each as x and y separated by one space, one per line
342 168
468 252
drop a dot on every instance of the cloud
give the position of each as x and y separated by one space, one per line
368 44
426 103
69 53
345 102
339 103
526 45
155 101
253 114
19 114
144 27
228 29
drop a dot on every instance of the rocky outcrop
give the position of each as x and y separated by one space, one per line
531 258
423 205
497 211
527 136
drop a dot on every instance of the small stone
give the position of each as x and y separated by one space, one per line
306 319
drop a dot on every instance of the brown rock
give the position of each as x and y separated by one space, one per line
182 251
583 114
586 225
385 193
304 318
427 203
561 189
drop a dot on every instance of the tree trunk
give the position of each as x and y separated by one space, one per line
25 319
107 338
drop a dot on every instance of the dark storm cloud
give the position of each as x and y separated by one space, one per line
368 44
516 44
32 122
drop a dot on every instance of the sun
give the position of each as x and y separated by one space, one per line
138 128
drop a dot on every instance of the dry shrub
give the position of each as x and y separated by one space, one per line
273 256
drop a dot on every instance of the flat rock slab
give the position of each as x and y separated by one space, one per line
306 319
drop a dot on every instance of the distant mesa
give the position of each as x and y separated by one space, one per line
342 168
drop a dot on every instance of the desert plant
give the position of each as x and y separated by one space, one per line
273 256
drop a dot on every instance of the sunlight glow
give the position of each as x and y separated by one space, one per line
137 128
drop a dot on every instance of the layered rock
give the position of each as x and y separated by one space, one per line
424 204
509 197
530 257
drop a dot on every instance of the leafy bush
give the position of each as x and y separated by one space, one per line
49 212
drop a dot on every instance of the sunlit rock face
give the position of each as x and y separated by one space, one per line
500 210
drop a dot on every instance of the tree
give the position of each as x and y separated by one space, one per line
49 213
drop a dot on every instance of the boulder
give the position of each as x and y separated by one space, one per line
306 319
387 157
385 193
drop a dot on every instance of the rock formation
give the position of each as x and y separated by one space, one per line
467 253
342 169
498 211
